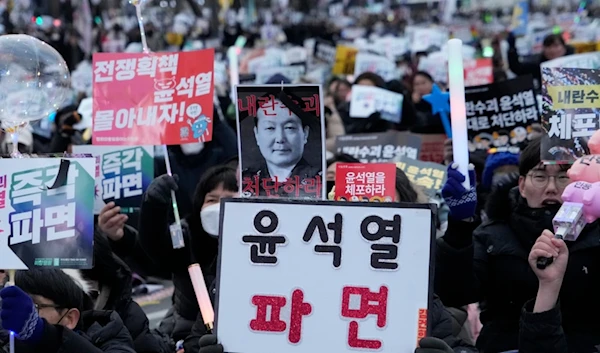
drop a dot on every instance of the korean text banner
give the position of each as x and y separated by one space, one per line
43 226
123 173
153 99
367 100
287 270
281 137
379 147
500 114
430 176
375 182
571 104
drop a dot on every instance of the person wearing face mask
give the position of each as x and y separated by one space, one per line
489 262
443 337
46 310
189 161
200 233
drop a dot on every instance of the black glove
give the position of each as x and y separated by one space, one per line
160 188
511 40
433 345
208 344
66 121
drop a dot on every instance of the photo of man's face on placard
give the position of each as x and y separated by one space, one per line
281 141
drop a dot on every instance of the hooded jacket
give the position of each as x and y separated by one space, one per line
491 267
101 331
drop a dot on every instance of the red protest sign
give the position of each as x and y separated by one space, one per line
153 99
478 72
373 182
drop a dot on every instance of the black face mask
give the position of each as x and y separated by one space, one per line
330 185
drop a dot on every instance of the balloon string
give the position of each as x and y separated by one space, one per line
146 50
138 12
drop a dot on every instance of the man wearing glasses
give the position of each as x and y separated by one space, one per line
45 310
488 262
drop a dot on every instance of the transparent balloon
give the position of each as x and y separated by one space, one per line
34 80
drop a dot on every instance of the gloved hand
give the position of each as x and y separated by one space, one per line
66 121
208 344
160 188
462 202
511 40
433 345
20 316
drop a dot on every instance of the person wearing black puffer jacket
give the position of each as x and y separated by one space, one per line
200 232
489 263
111 277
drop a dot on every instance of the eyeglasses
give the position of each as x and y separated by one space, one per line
42 306
540 180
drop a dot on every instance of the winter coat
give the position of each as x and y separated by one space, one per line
441 321
101 331
492 266
155 238
189 168
532 67
541 332
115 281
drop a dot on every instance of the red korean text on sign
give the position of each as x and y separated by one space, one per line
2 191
365 309
273 323
157 98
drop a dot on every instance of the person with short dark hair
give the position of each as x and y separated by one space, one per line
553 47
488 263
45 310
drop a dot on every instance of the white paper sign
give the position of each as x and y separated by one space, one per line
263 62
380 65
293 73
367 100
578 61
363 283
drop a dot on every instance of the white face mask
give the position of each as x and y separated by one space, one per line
209 217
192 148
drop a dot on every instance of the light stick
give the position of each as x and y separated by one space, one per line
234 75
176 231
458 113
11 282
206 309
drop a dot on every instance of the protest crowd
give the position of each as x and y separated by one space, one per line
199 148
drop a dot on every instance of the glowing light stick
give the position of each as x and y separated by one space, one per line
458 113
206 309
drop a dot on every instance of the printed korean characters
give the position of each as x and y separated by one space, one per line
501 113
295 272
45 222
158 98
281 141
379 147
570 112
429 176
365 182
123 174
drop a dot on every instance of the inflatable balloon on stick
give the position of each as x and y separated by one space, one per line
581 198
34 83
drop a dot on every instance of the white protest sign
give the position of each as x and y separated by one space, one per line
295 55
380 65
424 38
393 47
367 100
293 73
263 62
309 277
579 61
